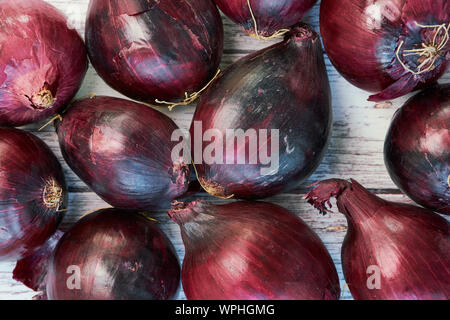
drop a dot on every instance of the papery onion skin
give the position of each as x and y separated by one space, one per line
271 15
407 246
252 251
417 149
42 62
32 269
120 256
362 39
122 151
284 87
33 193
150 50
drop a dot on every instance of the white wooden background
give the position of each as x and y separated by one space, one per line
356 150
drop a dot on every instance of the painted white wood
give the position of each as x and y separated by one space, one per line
356 149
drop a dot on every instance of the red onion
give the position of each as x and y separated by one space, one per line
31 270
123 151
32 192
42 62
391 47
392 251
283 89
252 251
265 18
151 50
113 255
417 149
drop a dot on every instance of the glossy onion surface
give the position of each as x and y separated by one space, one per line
113 255
417 148
122 150
42 62
283 90
33 192
151 50
252 251
390 47
392 251
270 15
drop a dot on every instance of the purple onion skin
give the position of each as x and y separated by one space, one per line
362 38
120 256
151 50
284 87
42 62
417 149
271 15
252 251
409 245
122 151
29 214
31 270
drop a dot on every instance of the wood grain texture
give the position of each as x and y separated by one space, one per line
356 149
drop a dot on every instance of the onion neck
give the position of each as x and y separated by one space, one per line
305 44
353 200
